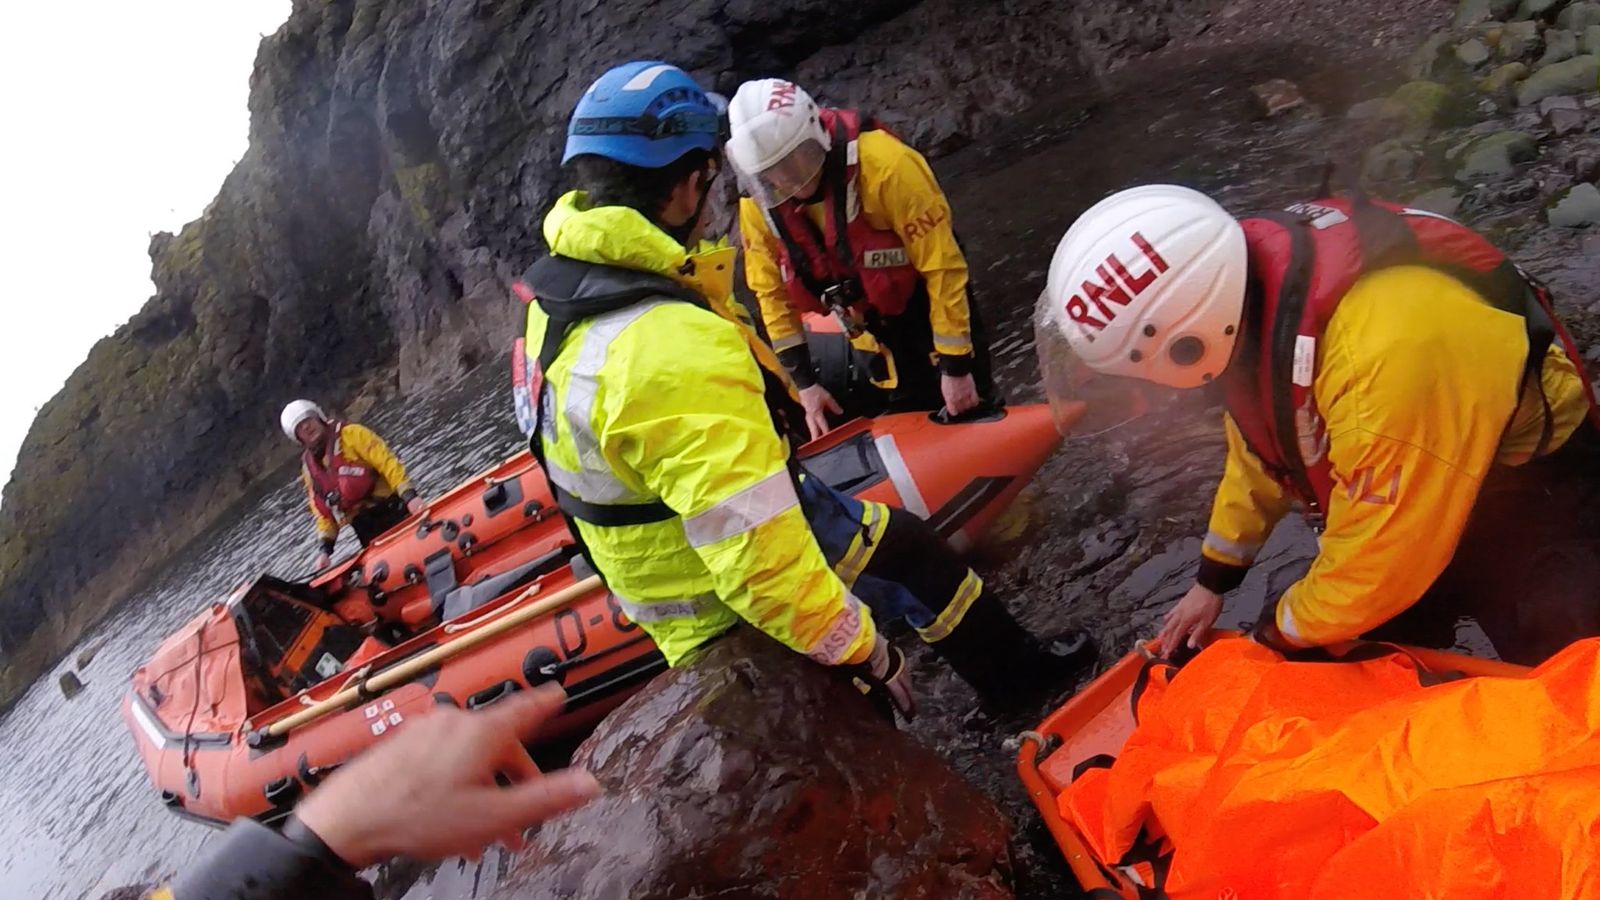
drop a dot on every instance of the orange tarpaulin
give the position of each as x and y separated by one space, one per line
1253 777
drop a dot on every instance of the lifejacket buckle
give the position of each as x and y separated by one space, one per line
843 299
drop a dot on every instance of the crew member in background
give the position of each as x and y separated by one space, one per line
1388 371
351 477
843 218
658 421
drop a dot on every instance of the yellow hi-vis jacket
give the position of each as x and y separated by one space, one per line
1416 379
664 401
361 446
898 193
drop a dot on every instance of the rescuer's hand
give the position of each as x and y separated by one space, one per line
960 393
1190 621
818 403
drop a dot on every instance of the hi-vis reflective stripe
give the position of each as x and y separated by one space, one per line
952 344
790 342
744 511
951 616
668 609
1235 550
1287 626
594 487
900 476
833 647
594 480
855 559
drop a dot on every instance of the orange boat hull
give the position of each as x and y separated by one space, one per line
200 726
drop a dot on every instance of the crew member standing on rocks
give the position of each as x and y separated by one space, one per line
351 477
658 414
843 218
1385 369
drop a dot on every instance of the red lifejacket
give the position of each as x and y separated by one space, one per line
871 265
1303 261
347 484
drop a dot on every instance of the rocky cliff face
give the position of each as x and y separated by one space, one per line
401 153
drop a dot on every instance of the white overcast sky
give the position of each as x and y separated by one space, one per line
120 119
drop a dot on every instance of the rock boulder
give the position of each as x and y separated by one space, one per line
755 773
1577 208
1578 75
1495 155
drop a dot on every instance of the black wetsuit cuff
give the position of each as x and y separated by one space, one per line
251 859
1219 577
955 366
798 361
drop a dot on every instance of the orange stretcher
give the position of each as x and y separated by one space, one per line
1096 723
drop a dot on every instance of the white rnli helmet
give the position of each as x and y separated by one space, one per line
777 143
296 412
1149 283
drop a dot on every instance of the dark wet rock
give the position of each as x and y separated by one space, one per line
1367 110
1275 97
1425 60
1422 105
1579 16
1590 41
1518 40
1473 53
1578 208
1563 115
1584 167
1101 545
1519 191
1578 75
71 685
1503 80
1445 201
1550 104
1416 108
1536 9
1495 155
1559 44
88 654
755 773
1391 160
1563 122
1471 12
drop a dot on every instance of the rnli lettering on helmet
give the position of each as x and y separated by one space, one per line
1116 284
352 471
782 96
884 259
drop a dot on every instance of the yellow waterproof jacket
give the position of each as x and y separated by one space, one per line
898 193
361 446
662 400
1417 381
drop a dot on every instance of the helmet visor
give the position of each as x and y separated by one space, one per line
1086 403
795 175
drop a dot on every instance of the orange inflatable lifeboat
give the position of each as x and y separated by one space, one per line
251 703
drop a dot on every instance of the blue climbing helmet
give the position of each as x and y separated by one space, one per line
645 114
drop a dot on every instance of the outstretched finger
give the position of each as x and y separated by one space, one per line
525 712
833 406
501 811
1171 634
817 424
